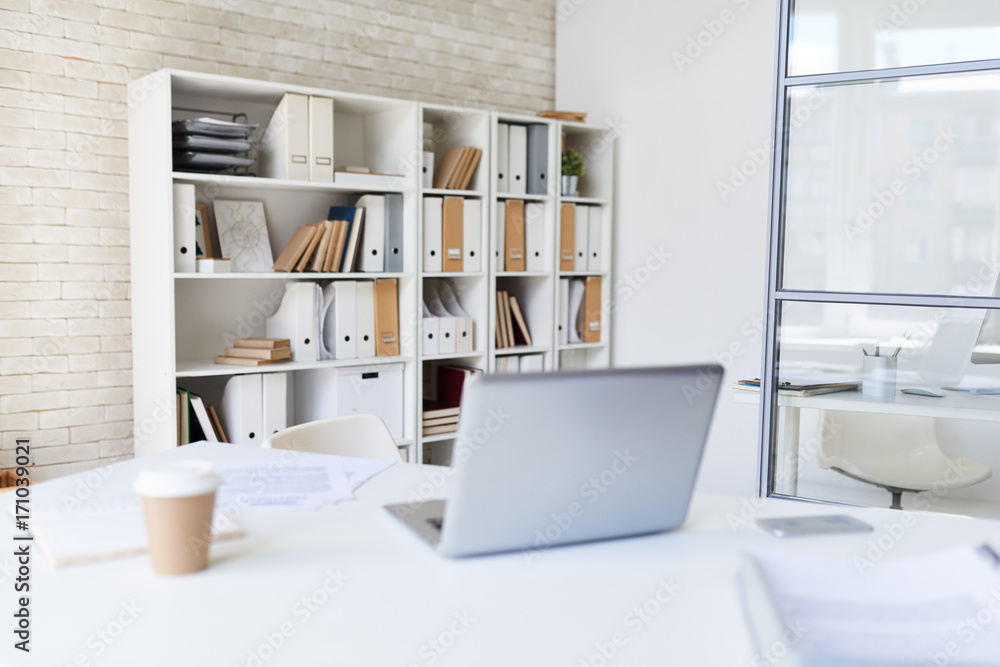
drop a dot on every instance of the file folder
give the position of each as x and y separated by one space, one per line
500 247
472 225
580 238
340 324
432 234
394 233
567 237
538 156
449 328
372 234
592 311
185 253
451 234
430 332
574 313
274 403
428 170
242 400
518 160
320 139
562 321
386 318
284 149
534 236
595 241
514 236
297 319
503 152
463 326
366 318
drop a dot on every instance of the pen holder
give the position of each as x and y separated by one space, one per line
878 376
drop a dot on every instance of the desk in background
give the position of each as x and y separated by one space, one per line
349 585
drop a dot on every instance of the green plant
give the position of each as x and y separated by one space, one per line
573 163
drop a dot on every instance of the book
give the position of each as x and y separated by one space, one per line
369 180
318 259
446 168
433 430
243 361
436 410
572 116
502 321
265 343
311 248
451 381
440 421
295 248
354 217
259 353
521 332
334 257
220 432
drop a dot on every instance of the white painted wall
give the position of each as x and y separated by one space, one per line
686 125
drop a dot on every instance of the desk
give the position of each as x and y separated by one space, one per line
381 597
953 405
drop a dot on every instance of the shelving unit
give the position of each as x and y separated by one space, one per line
182 320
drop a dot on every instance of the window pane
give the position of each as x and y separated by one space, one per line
894 186
846 446
852 35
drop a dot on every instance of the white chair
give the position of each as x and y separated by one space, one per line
897 453
365 436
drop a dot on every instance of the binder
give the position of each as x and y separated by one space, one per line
449 328
430 332
503 153
394 233
340 321
451 234
372 259
534 236
386 318
514 236
580 235
427 175
320 139
592 311
594 241
297 320
366 319
518 159
274 403
432 234
500 242
573 311
531 363
185 254
463 326
284 149
562 321
472 219
242 400
538 156
567 237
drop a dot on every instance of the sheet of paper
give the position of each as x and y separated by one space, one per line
902 610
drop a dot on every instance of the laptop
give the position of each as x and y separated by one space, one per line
548 459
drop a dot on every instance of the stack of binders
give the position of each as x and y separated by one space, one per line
579 310
457 167
520 236
452 236
366 237
207 144
447 327
256 352
580 238
298 141
522 159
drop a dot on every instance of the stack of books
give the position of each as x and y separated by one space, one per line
207 144
441 416
457 167
512 330
256 352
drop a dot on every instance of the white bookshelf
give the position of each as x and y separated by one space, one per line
182 320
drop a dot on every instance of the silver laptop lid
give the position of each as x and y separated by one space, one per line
546 459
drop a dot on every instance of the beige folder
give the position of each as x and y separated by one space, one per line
592 311
452 247
514 232
386 318
567 237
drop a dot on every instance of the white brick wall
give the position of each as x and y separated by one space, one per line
65 361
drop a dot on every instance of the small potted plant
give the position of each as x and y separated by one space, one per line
574 165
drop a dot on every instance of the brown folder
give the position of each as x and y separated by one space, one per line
592 311
514 236
451 234
522 327
311 248
336 250
292 253
567 237
447 167
501 322
386 318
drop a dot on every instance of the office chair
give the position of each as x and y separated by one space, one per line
365 436
897 453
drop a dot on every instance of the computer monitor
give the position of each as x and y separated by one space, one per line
987 348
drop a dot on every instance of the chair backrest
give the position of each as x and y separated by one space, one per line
861 438
364 436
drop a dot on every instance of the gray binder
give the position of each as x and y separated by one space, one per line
393 233
538 159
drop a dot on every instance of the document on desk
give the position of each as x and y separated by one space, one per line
902 612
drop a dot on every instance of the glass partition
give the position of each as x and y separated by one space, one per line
853 35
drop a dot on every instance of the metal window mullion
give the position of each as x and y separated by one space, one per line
866 76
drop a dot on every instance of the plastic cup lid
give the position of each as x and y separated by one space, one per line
179 479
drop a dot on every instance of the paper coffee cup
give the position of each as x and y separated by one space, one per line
178 499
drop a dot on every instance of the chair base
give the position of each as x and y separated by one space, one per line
897 493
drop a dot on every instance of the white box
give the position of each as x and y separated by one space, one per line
337 392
